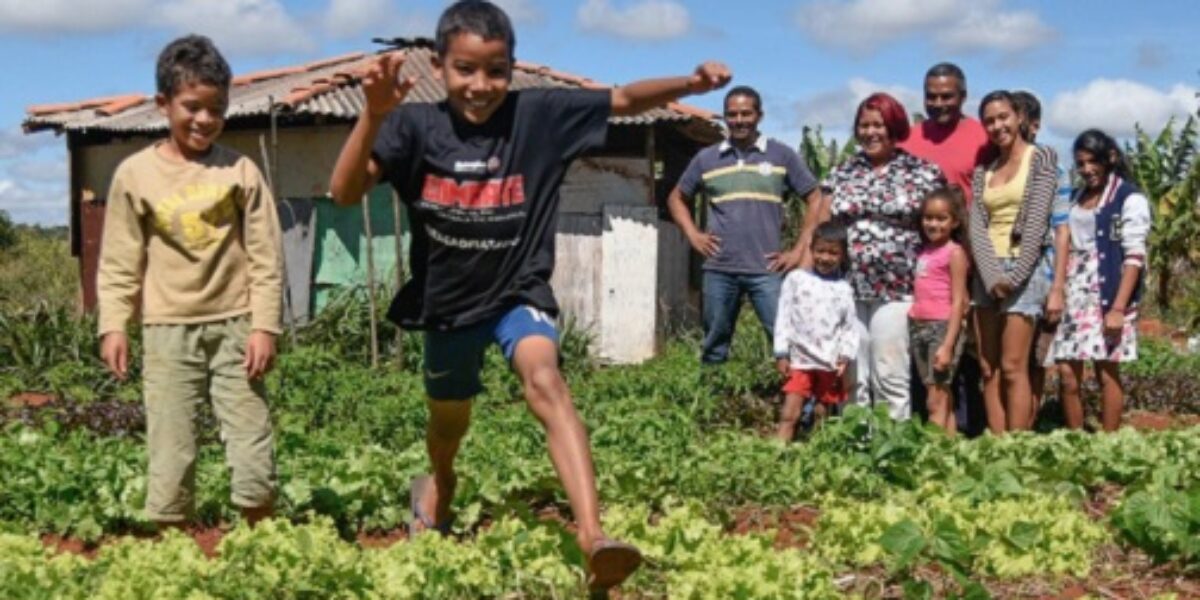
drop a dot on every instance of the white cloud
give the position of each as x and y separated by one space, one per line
1004 32
834 109
348 19
644 20
39 170
15 143
239 26
1116 105
34 204
862 27
521 11
69 16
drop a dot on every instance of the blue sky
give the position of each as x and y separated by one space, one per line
1093 63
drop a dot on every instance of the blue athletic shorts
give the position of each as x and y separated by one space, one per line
453 359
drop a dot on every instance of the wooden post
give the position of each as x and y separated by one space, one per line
271 164
650 155
396 214
366 204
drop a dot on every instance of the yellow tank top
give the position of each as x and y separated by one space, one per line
1003 202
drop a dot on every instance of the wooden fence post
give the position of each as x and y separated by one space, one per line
399 271
366 204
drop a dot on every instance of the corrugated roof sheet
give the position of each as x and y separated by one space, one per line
328 87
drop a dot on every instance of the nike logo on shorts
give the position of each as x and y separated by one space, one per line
436 375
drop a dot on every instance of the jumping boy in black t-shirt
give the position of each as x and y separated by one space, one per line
480 174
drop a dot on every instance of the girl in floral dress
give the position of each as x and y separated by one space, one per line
1098 281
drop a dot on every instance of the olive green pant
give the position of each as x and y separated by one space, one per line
184 366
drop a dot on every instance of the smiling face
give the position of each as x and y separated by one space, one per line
938 221
1002 123
742 118
477 73
827 256
873 137
944 99
1092 170
195 114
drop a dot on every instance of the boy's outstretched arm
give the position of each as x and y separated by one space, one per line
355 172
640 96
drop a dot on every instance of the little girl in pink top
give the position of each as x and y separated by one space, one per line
939 301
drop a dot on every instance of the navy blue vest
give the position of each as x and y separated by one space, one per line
1112 254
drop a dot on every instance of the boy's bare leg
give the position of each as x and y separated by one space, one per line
1111 393
536 363
789 415
163 526
819 412
258 513
448 422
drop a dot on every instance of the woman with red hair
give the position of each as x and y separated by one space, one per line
877 195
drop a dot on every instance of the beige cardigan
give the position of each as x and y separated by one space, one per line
1029 230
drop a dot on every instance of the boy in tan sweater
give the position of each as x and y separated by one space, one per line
191 227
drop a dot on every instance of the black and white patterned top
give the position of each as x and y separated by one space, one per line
880 211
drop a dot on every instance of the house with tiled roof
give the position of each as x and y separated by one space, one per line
622 266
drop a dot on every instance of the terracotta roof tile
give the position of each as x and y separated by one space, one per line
318 64
693 111
328 87
266 74
48 109
125 102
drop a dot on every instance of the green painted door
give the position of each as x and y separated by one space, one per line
340 251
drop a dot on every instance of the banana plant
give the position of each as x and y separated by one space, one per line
822 157
1167 169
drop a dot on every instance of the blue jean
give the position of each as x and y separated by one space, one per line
723 294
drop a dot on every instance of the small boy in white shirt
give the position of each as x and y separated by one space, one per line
814 330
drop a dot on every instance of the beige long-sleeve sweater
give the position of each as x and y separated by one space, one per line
199 239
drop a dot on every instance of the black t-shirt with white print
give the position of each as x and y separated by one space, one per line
483 200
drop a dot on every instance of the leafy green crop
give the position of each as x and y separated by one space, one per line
1164 522
688 558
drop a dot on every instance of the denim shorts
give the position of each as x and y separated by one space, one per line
924 339
1028 300
454 359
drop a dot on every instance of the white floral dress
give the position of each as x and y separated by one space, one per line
1080 335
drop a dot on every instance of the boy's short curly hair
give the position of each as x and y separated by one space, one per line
479 17
191 59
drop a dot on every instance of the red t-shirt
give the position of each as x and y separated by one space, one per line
957 151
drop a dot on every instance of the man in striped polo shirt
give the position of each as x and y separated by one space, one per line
745 179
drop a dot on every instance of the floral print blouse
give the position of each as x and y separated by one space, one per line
880 212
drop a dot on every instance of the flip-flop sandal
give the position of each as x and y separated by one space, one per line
610 563
417 489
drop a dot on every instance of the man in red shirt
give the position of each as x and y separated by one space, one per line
956 143
947 137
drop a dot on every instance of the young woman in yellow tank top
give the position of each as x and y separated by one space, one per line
1008 228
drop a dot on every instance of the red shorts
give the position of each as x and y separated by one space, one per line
825 386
